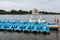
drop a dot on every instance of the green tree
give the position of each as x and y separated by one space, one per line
20 12
14 12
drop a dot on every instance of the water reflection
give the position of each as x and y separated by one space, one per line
54 35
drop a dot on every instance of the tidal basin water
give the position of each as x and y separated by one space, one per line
54 35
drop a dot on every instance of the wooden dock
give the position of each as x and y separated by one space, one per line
54 27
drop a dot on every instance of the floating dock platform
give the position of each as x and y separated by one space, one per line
53 26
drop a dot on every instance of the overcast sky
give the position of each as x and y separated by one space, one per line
42 5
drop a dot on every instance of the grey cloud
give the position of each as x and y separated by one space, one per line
45 5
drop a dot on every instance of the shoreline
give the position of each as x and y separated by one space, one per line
29 14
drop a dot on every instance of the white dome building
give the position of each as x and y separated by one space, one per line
35 11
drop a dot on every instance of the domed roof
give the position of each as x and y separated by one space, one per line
34 11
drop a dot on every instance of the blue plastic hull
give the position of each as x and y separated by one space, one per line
24 26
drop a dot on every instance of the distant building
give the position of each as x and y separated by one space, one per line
35 11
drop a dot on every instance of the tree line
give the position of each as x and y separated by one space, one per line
24 12
15 12
44 12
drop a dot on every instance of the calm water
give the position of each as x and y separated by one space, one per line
54 35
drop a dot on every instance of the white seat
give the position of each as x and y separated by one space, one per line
32 20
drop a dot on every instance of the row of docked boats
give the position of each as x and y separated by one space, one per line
24 26
30 26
